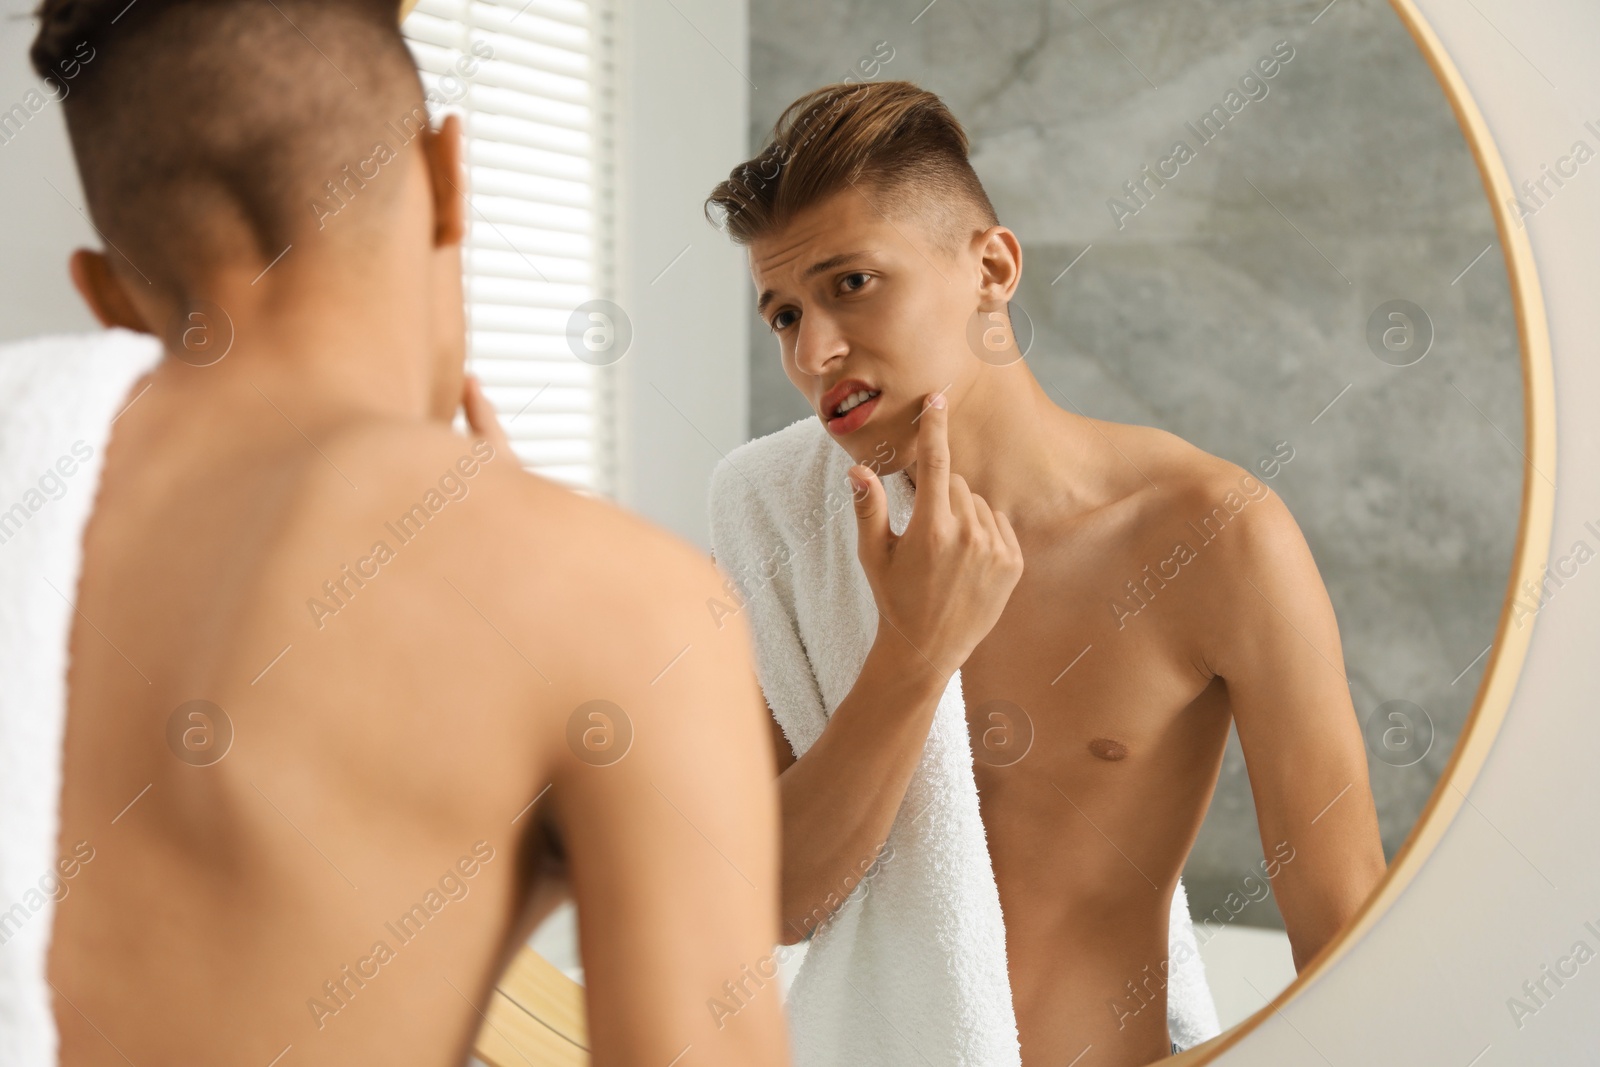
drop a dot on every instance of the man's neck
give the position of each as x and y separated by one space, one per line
326 346
1018 450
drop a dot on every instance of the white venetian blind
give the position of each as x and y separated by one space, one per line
532 83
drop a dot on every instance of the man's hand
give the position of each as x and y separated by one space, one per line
943 583
940 587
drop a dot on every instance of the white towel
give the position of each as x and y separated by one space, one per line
58 396
913 968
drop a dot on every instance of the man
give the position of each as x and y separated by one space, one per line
1128 595
352 697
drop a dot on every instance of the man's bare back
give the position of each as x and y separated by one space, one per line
341 677
310 805
348 872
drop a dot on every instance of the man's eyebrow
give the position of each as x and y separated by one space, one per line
812 271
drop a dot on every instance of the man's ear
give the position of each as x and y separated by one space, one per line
1000 262
102 290
442 148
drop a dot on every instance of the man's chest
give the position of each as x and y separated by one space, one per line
1085 733
1063 677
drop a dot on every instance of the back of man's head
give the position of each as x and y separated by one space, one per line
209 132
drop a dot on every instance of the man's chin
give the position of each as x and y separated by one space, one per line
882 457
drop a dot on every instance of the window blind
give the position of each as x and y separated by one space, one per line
532 82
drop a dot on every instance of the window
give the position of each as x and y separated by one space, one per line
533 85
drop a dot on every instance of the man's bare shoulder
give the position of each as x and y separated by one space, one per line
1219 510
1160 456
1202 515
589 561
1213 538
1185 480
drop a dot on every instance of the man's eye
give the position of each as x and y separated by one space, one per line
779 322
857 274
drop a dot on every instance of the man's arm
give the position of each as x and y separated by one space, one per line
1275 642
840 799
671 844
939 588
664 806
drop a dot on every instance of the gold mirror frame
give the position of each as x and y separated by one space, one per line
537 1013
1528 558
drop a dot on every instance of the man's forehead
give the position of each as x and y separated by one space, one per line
820 230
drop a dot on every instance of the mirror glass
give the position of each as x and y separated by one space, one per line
1297 273
1261 230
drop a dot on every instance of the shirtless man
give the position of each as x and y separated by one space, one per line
882 264
395 632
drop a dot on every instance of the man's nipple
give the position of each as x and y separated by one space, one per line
1107 749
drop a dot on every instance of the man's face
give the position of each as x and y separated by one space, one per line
888 314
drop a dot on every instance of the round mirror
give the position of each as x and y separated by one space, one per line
1290 243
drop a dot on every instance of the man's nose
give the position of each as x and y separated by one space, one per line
818 341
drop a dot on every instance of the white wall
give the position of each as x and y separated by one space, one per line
39 227
685 396
1514 884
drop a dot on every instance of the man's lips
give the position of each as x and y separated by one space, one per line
853 419
835 396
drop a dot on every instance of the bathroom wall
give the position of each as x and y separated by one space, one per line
39 195
1231 304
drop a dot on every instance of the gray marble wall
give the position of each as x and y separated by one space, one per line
1231 306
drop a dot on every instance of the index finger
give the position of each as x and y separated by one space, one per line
933 457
